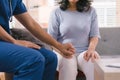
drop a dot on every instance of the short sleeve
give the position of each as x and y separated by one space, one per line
94 31
20 8
54 22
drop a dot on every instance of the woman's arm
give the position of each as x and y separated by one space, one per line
94 36
91 53
93 43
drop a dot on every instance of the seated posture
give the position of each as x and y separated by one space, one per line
75 21
26 60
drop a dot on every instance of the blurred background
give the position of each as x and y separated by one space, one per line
108 12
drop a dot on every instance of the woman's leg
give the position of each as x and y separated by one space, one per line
86 67
50 64
25 63
67 68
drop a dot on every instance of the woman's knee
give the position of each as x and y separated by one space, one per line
69 63
68 66
83 64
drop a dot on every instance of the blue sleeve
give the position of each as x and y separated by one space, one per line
20 8
94 31
53 27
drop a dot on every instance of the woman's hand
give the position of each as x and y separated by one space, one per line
68 50
91 54
27 44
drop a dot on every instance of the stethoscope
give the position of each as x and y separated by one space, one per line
11 10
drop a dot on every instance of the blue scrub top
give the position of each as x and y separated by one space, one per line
5 11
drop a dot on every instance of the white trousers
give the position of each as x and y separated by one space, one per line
68 67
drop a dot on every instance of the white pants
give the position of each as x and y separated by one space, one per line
68 67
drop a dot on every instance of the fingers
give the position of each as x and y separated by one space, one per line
68 53
68 50
67 56
87 56
35 46
93 56
72 50
69 46
27 44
